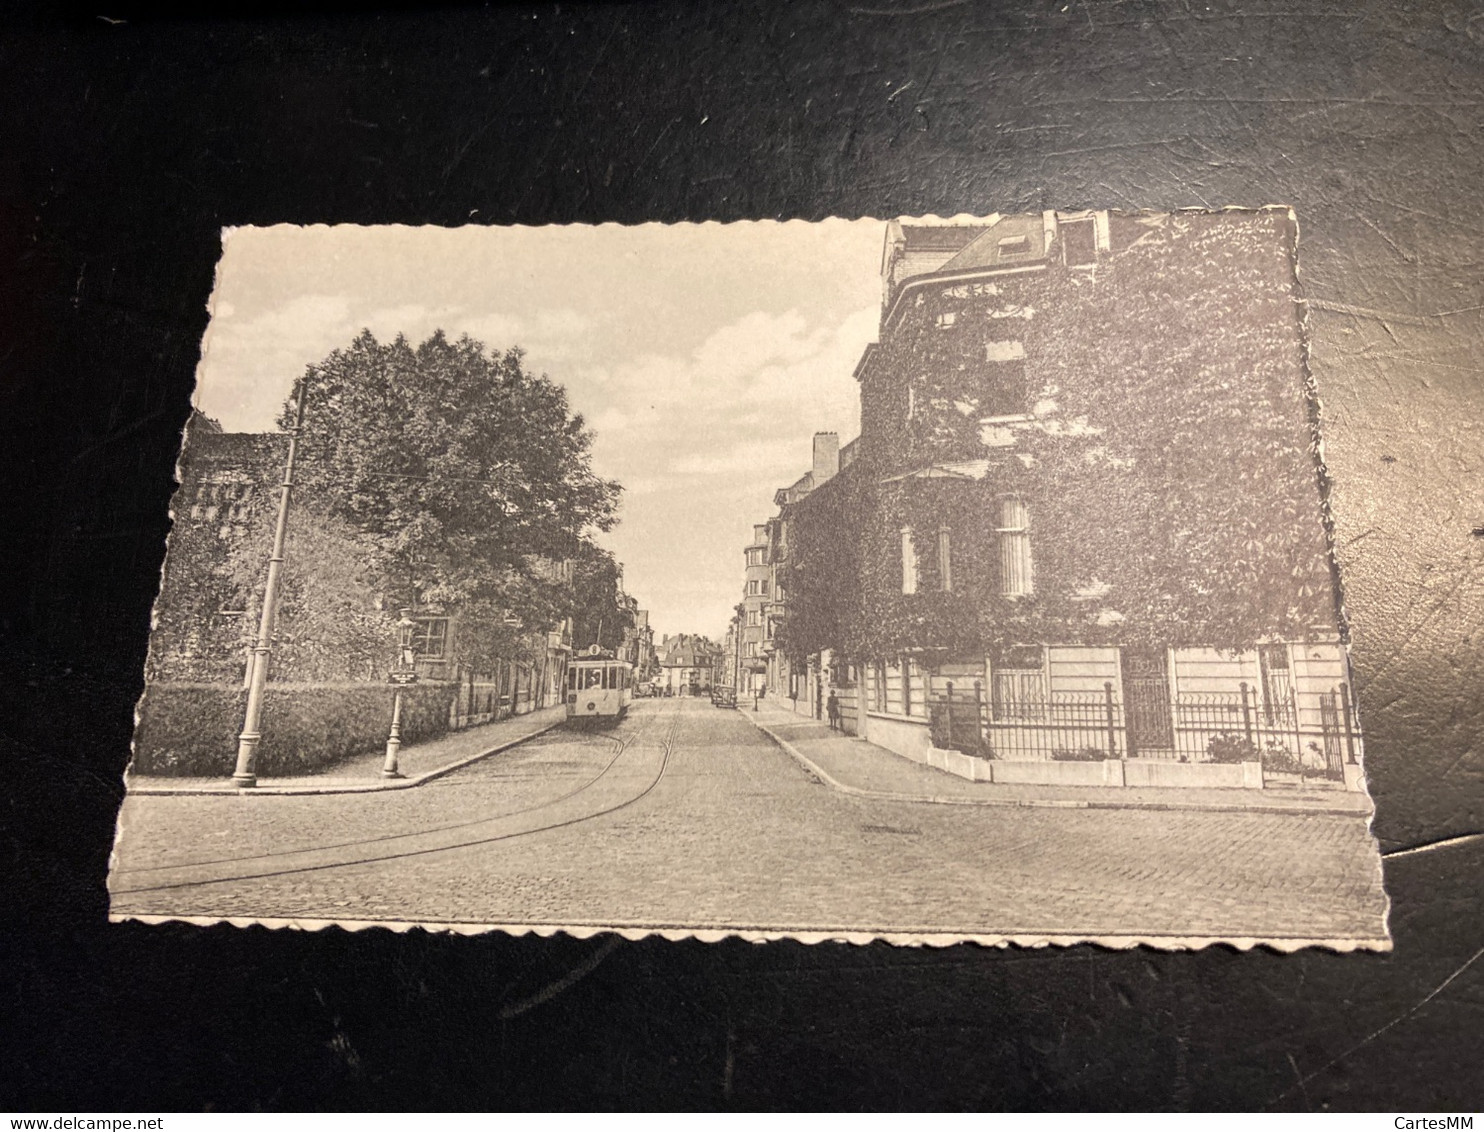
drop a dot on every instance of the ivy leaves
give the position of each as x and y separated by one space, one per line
1163 449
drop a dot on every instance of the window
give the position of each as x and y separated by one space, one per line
1012 246
764 590
945 560
1013 530
752 588
428 638
754 616
222 499
1005 393
1018 683
1079 243
909 562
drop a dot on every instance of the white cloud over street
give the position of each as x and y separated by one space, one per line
704 357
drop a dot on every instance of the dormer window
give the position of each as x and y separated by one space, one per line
946 320
1013 246
1079 242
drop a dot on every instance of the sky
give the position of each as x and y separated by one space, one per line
703 356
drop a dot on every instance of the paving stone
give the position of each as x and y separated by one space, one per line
700 820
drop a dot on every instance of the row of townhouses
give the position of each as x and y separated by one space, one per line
1080 538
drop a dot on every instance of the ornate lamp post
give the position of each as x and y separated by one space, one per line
404 672
246 774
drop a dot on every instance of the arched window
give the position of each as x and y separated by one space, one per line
1013 529
909 562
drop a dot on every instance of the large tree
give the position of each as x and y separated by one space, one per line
464 470
599 614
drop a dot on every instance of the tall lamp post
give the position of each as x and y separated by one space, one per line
246 773
404 672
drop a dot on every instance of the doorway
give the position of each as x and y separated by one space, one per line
1147 703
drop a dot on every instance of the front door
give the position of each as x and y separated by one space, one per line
1147 703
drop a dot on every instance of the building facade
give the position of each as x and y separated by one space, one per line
688 664
333 627
1082 525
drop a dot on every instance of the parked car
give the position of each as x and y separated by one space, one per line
724 697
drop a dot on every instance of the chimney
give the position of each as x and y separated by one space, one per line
826 456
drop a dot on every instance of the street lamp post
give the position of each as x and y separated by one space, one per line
245 775
404 673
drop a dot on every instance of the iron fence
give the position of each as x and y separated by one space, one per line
1293 740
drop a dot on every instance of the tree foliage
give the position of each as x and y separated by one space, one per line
462 468
598 615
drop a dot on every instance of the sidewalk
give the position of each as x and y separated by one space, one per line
420 763
855 766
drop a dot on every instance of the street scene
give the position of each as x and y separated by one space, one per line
925 580
690 817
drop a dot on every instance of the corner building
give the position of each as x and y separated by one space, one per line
1081 533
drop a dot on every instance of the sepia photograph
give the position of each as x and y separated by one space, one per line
926 580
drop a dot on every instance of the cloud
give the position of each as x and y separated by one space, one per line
250 362
703 357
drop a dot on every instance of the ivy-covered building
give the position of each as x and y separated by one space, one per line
1083 522
336 636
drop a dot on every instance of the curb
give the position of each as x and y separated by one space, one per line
816 771
366 788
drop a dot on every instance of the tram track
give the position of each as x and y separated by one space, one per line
620 744
623 744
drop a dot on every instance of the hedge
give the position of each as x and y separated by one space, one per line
192 729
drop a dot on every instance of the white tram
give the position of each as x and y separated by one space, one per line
599 688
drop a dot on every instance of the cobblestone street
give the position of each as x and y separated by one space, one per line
688 816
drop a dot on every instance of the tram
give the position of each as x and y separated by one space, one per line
599 687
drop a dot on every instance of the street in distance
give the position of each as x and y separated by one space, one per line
929 580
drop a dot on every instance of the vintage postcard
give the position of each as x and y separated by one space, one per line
926 580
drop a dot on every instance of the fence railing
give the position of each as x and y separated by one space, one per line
1292 739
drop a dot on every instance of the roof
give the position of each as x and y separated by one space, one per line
961 470
939 237
919 249
987 250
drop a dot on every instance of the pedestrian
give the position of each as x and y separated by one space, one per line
832 705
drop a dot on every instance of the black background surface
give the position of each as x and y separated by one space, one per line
126 142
